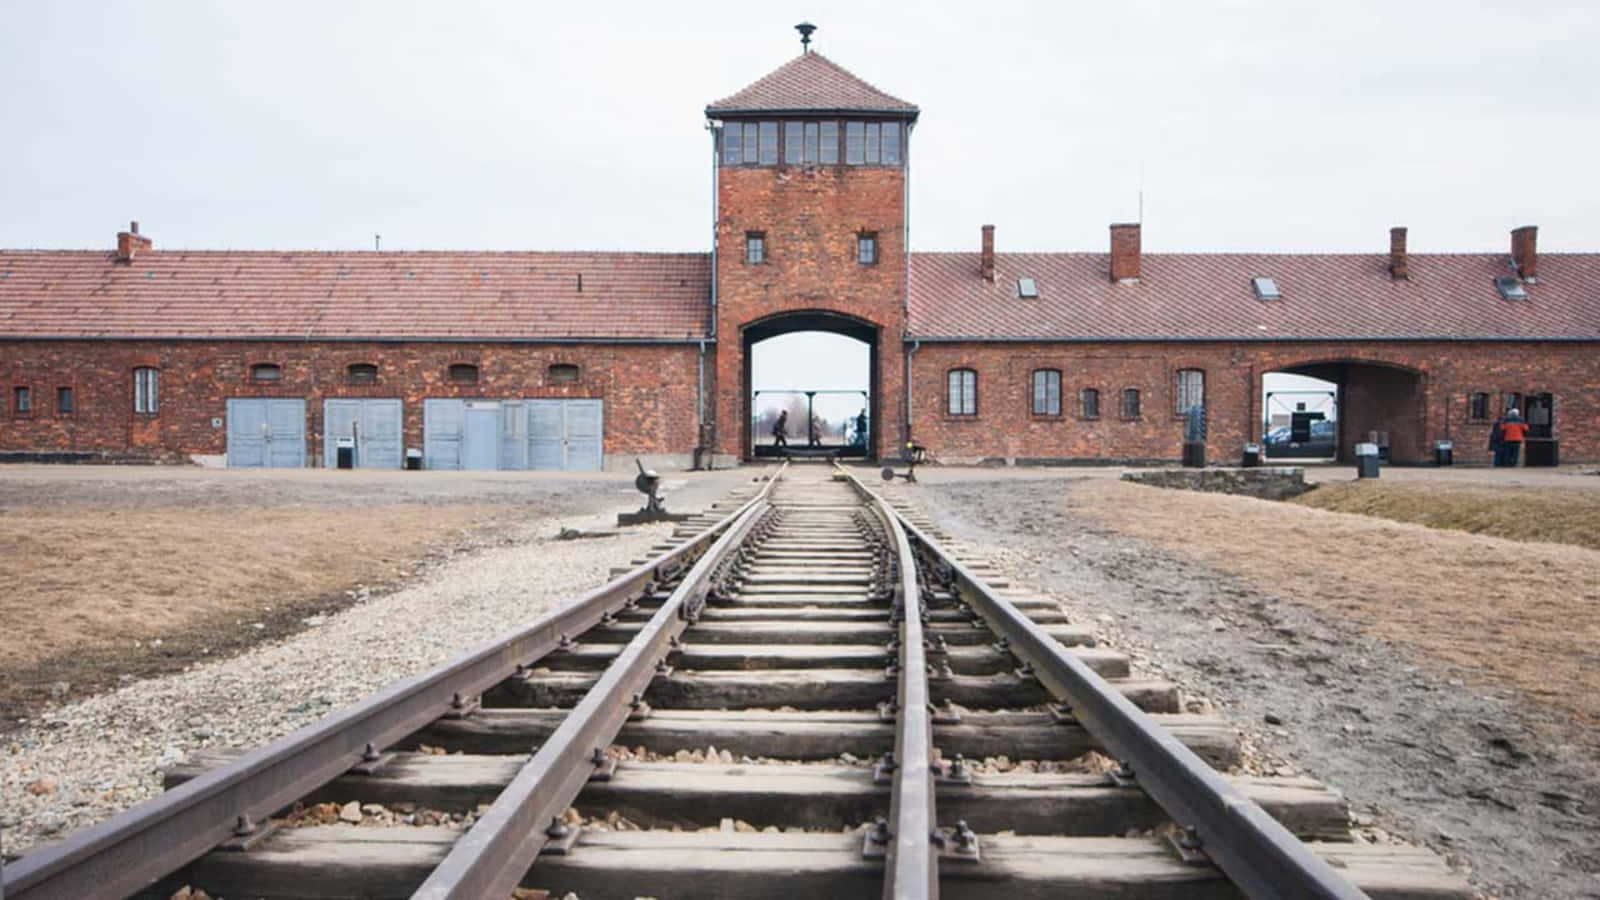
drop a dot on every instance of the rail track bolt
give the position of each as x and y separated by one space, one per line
958 767
880 831
966 840
243 827
370 754
1123 776
565 643
558 829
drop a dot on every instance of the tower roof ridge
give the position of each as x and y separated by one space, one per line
811 83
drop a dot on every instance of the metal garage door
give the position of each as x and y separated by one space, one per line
375 426
266 432
443 424
513 434
566 435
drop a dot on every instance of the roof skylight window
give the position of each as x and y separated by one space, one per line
1027 288
1266 289
1510 287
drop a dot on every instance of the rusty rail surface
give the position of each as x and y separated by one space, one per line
912 868
133 850
492 858
1261 857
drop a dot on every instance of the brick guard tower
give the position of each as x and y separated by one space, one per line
810 173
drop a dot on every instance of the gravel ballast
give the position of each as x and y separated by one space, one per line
84 761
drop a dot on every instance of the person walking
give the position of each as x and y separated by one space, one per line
1494 441
780 430
1513 431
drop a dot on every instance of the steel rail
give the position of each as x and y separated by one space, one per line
1261 857
491 859
911 871
133 850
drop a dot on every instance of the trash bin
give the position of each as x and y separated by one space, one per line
413 459
346 453
1444 453
1252 456
1366 460
1194 454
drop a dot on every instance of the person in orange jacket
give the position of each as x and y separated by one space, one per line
1513 430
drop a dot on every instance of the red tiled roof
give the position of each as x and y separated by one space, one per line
1209 295
258 294
810 82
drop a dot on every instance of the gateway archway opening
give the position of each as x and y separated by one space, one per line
1299 417
815 374
1370 402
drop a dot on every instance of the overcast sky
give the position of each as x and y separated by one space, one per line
1274 125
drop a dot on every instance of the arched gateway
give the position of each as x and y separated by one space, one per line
810 172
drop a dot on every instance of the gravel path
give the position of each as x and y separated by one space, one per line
1418 755
85 761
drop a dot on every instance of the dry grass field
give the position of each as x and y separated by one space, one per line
1568 514
118 572
1510 612
90 576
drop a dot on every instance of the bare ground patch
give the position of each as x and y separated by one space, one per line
1495 610
1559 515
1276 614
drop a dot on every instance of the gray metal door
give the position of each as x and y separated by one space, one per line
585 431
480 451
443 428
566 435
374 424
266 432
546 435
513 435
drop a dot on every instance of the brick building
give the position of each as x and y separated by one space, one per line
585 360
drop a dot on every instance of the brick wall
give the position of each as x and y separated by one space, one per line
811 217
1418 392
650 390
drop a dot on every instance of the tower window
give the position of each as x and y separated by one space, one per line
266 372
891 143
755 247
146 390
855 143
963 393
769 144
462 373
361 373
750 135
732 144
562 373
828 149
867 249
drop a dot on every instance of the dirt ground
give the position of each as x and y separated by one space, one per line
1443 680
113 573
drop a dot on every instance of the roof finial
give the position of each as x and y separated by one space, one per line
805 29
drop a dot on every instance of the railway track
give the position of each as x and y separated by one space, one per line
805 694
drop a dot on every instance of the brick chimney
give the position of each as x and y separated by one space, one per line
1397 254
988 253
1525 252
130 242
1125 253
